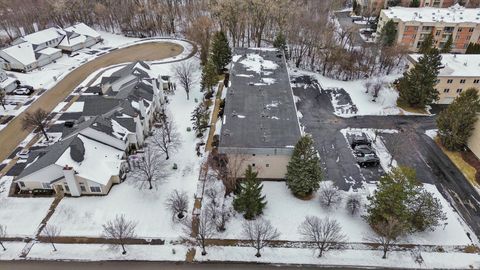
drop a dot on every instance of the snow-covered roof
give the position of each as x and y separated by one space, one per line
44 35
73 41
457 65
8 81
83 29
453 14
99 163
49 51
23 53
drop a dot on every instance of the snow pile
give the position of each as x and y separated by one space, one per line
432 133
256 63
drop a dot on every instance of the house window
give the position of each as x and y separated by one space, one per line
82 187
21 184
462 81
267 165
438 33
459 30
459 90
46 185
253 164
471 29
437 81
476 81
95 189
253 154
446 90
67 189
449 81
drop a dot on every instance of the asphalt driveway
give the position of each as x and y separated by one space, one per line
410 147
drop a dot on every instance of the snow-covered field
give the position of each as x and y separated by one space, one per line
21 216
346 258
84 216
86 252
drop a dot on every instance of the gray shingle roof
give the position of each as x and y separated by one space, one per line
259 106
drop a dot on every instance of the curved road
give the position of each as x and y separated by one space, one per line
12 134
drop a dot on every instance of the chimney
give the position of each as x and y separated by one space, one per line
35 26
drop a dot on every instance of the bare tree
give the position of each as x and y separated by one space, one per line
167 139
223 215
150 169
329 194
212 194
259 232
177 203
3 234
227 168
368 85
325 233
36 119
120 230
185 74
201 228
353 204
51 233
387 234
3 98
377 86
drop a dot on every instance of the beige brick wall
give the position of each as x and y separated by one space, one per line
267 166
474 141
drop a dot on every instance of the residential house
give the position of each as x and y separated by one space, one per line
112 124
415 24
49 37
459 72
7 84
260 126
79 36
25 57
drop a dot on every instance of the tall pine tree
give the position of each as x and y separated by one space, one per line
209 76
400 196
388 34
303 171
455 124
221 54
417 86
250 201
427 44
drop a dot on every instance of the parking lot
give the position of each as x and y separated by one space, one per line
410 147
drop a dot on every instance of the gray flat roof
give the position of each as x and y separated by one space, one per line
259 106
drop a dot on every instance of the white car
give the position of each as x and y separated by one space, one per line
22 91
23 154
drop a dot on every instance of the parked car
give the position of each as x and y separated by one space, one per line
360 140
22 91
366 156
23 154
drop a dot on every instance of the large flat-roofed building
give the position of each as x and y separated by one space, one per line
415 24
459 72
260 122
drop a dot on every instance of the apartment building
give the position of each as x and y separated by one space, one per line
260 126
415 24
459 72
379 4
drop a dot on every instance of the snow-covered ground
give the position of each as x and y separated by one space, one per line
385 104
286 213
87 252
346 258
22 216
14 249
84 216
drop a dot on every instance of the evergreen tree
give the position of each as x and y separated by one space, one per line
209 76
447 48
200 118
250 201
303 171
473 48
388 34
455 124
417 86
221 53
400 196
427 44
415 3
280 42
